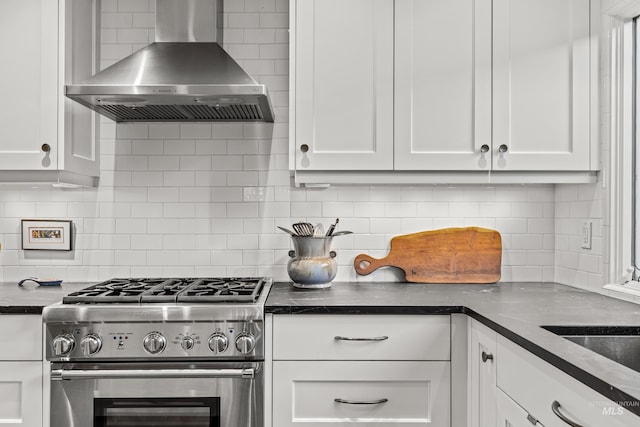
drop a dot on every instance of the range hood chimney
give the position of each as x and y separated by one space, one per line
184 76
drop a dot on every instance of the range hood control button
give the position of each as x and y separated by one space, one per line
154 343
187 343
63 345
218 343
90 344
245 343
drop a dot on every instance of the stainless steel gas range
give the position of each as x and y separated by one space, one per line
158 352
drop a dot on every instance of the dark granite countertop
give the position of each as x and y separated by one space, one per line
514 310
30 299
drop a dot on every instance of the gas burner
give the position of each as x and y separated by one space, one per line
162 290
115 290
223 290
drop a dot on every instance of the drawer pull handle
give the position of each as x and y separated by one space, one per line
361 402
382 338
486 356
555 407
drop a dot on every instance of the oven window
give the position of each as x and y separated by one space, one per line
157 412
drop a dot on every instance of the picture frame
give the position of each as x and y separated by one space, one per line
46 235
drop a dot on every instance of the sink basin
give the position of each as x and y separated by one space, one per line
618 343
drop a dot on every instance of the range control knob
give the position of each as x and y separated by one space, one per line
218 342
154 343
63 344
187 343
245 343
90 344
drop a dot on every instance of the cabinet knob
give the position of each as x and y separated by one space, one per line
503 148
486 356
46 148
484 148
304 148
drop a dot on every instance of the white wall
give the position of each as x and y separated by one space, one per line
205 199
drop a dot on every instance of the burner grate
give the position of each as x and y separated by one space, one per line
223 290
115 290
159 290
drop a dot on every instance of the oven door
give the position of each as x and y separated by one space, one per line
157 394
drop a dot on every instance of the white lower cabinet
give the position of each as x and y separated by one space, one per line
21 394
510 414
367 370
482 375
21 381
341 393
538 387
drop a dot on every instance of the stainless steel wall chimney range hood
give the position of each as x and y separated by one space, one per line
184 76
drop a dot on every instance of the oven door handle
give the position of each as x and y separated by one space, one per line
62 374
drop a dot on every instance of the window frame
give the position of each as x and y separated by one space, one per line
624 243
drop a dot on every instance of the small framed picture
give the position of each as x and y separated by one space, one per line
46 235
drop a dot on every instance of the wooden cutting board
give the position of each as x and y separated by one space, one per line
448 255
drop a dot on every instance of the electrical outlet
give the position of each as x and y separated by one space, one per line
586 235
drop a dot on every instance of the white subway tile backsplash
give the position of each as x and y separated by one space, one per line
51 209
144 20
274 20
205 198
227 131
178 210
130 257
179 179
274 209
242 178
193 257
133 5
131 225
163 258
132 35
179 146
116 20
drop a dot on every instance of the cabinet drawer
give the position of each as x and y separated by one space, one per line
20 337
535 385
361 337
416 393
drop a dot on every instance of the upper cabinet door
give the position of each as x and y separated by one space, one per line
443 85
541 84
343 84
29 52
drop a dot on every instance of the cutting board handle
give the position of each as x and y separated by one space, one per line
364 264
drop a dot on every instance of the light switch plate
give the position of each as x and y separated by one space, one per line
586 235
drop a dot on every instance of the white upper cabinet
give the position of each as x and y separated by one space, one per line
43 136
444 91
28 47
343 105
541 78
442 85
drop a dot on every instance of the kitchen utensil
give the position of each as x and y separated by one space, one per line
318 230
303 228
332 227
449 255
341 233
286 230
40 282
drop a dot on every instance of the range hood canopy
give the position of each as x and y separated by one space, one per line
184 76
